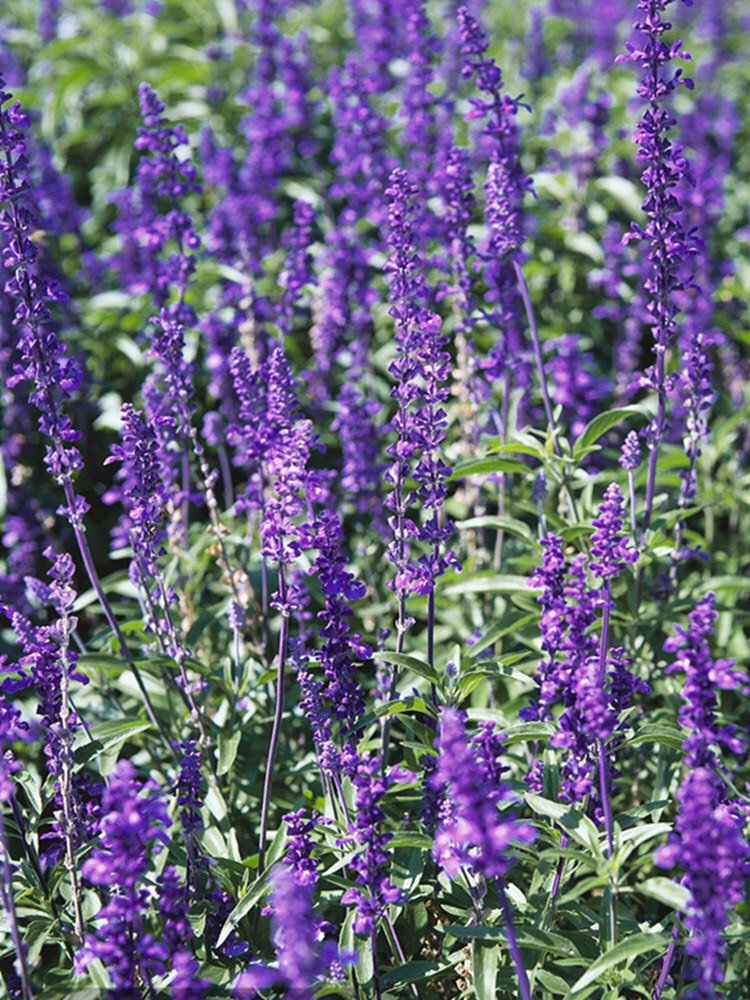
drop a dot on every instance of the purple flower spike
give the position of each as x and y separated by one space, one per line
709 846
53 379
473 832
302 960
133 830
609 550
371 856
420 371
145 229
670 246
703 677
631 452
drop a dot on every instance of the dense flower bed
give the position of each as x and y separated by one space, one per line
374 495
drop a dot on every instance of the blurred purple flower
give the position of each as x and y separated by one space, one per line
374 891
303 960
472 830
133 830
709 846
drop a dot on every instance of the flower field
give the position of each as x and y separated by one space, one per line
374 493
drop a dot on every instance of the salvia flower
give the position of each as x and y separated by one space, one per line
473 832
132 831
152 215
704 677
709 847
140 488
359 150
374 891
669 245
610 550
420 108
53 379
377 25
550 577
297 272
340 649
420 370
580 391
630 457
12 730
303 959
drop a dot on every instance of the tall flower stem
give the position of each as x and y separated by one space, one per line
603 764
669 244
41 354
631 494
66 780
397 948
6 886
402 625
91 571
556 883
537 345
666 964
524 988
375 963
278 715
658 434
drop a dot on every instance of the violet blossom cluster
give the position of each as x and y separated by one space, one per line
505 188
424 138
708 843
340 697
359 151
47 666
53 379
303 959
669 244
709 846
374 890
580 391
133 829
152 215
580 668
420 371
473 832
703 677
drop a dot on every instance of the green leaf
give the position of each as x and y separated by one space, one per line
483 466
539 940
412 663
101 661
509 524
730 583
107 737
493 584
654 732
624 191
638 944
228 746
252 897
484 958
413 972
584 243
665 891
405 839
580 827
472 932
637 835
552 983
498 631
521 732
599 426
